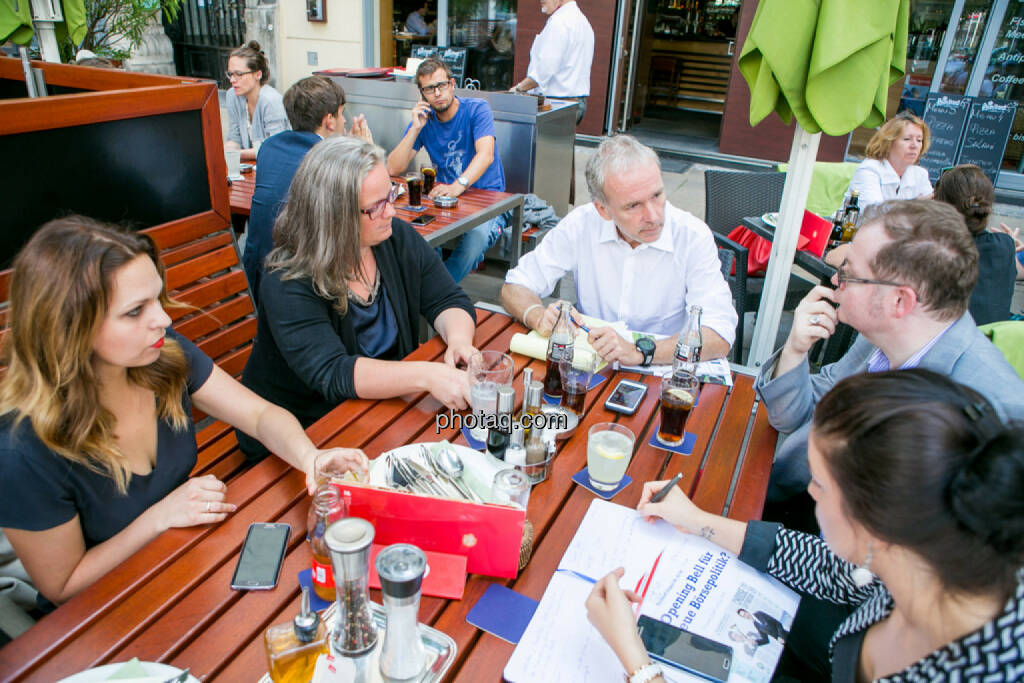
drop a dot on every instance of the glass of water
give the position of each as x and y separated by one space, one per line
488 370
609 449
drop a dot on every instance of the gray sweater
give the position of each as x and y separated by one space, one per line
269 117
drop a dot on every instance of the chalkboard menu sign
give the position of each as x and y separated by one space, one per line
453 57
986 134
945 116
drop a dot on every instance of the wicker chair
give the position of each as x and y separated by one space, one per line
731 196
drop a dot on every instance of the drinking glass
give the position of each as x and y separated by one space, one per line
678 394
609 449
429 174
326 469
488 370
576 374
415 183
233 158
510 487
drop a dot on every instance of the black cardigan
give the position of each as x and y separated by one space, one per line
305 351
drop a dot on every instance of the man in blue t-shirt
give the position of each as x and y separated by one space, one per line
459 136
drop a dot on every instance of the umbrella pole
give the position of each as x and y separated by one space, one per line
794 198
45 15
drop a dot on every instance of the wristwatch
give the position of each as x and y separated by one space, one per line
462 180
645 345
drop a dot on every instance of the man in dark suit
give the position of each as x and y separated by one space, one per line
315 107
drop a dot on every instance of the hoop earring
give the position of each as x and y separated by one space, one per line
862 575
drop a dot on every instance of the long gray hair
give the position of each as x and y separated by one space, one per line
316 235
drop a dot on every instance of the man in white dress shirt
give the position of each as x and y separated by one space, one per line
561 55
634 257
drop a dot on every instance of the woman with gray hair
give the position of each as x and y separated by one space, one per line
343 292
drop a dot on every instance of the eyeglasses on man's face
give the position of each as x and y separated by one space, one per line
843 277
435 89
232 75
376 210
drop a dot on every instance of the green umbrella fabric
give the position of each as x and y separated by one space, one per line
16 21
828 63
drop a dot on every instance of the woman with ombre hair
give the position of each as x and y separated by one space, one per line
97 441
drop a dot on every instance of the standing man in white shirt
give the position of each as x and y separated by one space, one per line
561 55
634 257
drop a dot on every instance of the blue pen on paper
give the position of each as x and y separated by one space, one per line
577 575
578 324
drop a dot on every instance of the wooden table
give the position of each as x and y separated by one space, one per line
171 602
475 207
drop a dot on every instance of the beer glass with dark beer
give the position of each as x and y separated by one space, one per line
415 182
678 395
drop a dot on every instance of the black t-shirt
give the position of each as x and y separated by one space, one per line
40 489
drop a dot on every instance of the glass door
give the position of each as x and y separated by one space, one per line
1004 79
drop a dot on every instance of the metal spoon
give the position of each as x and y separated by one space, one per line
449 462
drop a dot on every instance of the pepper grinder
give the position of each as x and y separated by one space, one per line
349 542
400 567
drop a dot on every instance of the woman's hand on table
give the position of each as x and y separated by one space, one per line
457 354
200 500
336 461
610 611
449 385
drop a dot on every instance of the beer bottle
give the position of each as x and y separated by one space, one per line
836 237
560 345
851 217
689 346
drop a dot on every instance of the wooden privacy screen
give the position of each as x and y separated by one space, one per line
136 149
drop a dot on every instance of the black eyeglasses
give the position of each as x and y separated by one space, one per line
377 209
842 278
435 88
238 74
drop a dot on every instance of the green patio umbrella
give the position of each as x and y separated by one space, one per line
16 21
829 65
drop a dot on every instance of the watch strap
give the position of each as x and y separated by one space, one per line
645 673
647 351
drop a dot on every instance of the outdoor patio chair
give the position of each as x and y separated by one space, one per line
731 196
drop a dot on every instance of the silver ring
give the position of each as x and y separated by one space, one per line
814 319
207 506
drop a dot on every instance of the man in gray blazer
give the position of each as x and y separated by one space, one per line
904 286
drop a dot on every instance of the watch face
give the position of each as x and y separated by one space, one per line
645 344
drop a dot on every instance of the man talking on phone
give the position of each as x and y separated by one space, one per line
459 136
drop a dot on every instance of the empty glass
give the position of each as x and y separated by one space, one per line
576 375
488 370
510 487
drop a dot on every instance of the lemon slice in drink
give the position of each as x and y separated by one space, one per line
681 395
609 455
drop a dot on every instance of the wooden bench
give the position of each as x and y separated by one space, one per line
203 271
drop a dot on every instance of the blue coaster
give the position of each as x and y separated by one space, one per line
684 448
502 612
583 479
306 581
595 381
473 443
417 209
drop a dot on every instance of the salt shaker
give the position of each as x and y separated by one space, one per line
400 567
349 541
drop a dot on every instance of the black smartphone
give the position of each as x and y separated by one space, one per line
684 650
262 555
422 219
626 397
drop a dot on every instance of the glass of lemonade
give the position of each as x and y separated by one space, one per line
609 449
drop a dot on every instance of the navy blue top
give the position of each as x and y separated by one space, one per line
993 294
40 489
375 325
279 158
452 144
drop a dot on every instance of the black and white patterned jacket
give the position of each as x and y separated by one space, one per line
995 652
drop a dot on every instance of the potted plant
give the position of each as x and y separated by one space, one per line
115 27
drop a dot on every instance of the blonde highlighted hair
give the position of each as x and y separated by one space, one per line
59 294
880 143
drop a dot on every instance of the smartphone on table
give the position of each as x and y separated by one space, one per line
422 219
626 397
684 650
259 565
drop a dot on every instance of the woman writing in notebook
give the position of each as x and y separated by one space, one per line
917 485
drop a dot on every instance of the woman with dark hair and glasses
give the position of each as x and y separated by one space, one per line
255 110
890 170
343 292
917 486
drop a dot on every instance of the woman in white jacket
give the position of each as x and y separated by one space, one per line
891 170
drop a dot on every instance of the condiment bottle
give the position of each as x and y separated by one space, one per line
535 447
851 217
560 347
689 346
515 454
326 508
498 436
293 647
349 542
400 567
531 405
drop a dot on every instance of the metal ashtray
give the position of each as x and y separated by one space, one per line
559 415
446 202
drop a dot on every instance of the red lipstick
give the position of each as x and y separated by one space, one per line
159 343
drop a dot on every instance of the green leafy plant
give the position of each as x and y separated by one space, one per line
110 21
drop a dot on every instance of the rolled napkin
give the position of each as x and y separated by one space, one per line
534 345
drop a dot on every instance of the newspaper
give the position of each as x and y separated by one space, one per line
686 581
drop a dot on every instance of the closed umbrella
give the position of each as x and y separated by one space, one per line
65 18
829 65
